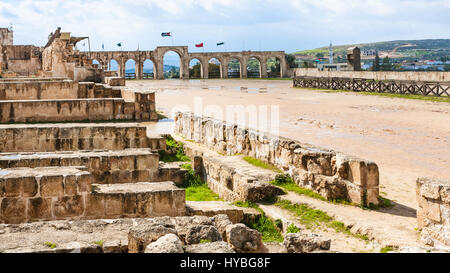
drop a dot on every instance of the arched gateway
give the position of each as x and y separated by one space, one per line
230 64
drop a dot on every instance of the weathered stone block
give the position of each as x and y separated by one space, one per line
95 205
52 186
68 206
39 208
13 210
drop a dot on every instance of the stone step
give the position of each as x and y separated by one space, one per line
31 194
62 110
56 193
41 89
142 199
107 167
122 166
76 136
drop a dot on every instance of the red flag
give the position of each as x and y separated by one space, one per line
199 45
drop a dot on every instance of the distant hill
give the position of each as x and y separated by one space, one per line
166 69
409 49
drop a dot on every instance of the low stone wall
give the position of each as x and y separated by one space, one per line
115 81
433 214
73 137
88 90
376 75
331 174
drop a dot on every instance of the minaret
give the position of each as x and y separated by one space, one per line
331 53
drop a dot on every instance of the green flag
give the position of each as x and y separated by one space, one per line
221 43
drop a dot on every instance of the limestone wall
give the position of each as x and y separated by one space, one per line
67 100
331 174
35 90
66 110
433 214
73 137
42 194
378 75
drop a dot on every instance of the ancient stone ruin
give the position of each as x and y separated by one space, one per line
329 173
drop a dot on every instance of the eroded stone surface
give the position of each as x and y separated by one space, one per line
304 243
245 240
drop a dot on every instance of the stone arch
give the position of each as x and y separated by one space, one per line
114 65
173 73
149 73
254 71
215 68
234 67
130 68
97 62
195 71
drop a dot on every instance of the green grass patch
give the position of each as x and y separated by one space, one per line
267 227
386 249
388 95
314 218
50 245
99 243
285 181
261 164
174 151
292 229
195 188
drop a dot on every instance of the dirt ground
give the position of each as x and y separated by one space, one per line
406 138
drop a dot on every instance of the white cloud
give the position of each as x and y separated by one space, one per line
277 24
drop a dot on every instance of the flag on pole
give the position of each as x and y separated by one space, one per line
166 34
221 43
199 45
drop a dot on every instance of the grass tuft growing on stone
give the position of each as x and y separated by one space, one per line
50 245
386 249
264 225
195 188
285 181
99 243
174 151
261 164
314 218
292 229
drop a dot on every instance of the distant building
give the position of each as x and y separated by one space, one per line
368 52
354 58
333 67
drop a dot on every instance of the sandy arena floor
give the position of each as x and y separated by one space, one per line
406 138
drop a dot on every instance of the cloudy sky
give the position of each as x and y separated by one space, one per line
288 25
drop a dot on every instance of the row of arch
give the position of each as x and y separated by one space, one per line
197 66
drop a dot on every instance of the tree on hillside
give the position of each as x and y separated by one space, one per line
306 64
386 65
376 62
213 70
290 60
195 71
